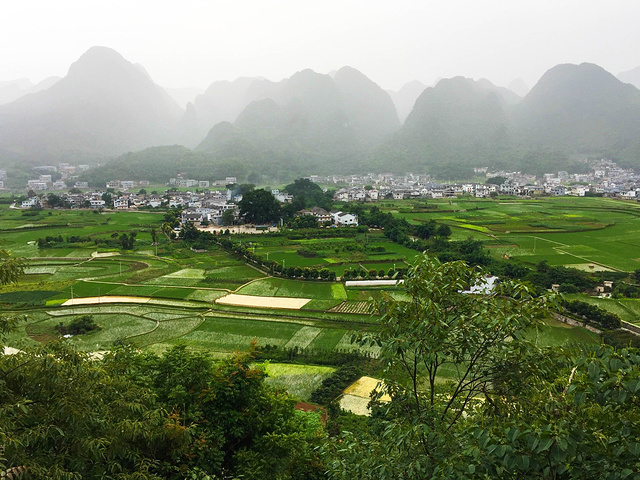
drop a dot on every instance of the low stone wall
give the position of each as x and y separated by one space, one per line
576 323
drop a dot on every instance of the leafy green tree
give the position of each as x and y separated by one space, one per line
10 267
65 416
127 242
443 231
54 200
304 221
189 232
496 180
228 217
426 230
239 426
478 343
309 194
243 188
78 326
259 206
474 397
582 421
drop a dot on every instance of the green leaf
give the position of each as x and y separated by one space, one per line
544 445
633 386
523 462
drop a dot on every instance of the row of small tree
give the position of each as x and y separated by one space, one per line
592 313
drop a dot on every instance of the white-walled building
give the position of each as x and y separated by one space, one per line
344 219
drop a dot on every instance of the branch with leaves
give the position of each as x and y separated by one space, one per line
10 267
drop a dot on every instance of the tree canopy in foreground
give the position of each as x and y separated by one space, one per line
65 415
474 396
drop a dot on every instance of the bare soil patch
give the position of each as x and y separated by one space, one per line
97 300
288 303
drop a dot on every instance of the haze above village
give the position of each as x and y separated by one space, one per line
287 90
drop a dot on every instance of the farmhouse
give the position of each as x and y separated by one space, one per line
193 216
36 185
121 203
344 219
31 202
320 213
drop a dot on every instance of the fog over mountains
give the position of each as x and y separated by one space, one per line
13 89
104 106
315 123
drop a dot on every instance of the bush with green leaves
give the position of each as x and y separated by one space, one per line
78 326
333 386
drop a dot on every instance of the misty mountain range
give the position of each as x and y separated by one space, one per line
315 123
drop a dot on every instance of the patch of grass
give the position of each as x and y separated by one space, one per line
298 380
555 333
322 305
187 273
167 330
303 337
281 287
113 327
172 292
86 289
29 297
624 308
338 292
228 334
327 339
206 295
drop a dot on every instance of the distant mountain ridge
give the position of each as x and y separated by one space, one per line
105 105
574 111
631 76
582 109
312 116
405 98
13 89
458 121
316 123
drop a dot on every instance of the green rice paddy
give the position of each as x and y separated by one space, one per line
183 285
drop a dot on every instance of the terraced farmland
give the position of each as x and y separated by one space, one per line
183 286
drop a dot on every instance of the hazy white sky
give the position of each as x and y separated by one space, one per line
194 42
